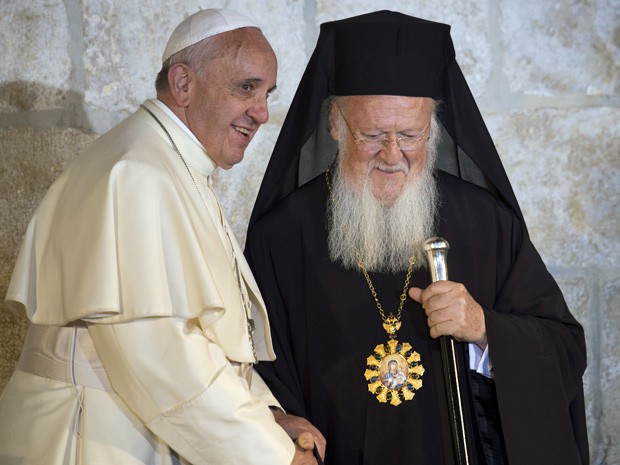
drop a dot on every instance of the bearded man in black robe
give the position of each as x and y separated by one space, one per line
382 148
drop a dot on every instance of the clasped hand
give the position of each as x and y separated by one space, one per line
452 311
305 436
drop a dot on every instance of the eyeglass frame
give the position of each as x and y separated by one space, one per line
386 141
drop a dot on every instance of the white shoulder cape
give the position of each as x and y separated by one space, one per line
124 234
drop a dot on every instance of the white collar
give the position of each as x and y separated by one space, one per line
163 107
203 163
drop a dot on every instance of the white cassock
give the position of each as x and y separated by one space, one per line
139 344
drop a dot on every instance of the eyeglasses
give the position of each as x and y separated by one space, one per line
372 143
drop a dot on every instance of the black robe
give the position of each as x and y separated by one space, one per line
325 324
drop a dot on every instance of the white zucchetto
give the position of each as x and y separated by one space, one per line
203 24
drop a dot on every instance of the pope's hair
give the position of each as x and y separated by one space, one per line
384 235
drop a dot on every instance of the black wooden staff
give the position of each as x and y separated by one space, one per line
437 255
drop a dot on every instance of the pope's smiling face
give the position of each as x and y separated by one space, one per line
229 100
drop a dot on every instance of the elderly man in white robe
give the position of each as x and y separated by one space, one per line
145 318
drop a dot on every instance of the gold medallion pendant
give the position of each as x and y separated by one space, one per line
394 372
394 369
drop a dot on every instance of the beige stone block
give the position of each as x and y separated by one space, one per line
30 161
35 68
610 369
561 47
469 31
124 41
565 170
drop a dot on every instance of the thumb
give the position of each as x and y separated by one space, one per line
305 440
416 294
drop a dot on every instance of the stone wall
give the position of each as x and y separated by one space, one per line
545 75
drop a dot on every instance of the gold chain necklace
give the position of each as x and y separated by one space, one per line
394 369
391 323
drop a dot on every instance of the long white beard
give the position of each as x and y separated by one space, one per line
383 236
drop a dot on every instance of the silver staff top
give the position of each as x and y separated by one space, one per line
436 249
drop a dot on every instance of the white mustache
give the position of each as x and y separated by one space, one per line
402 166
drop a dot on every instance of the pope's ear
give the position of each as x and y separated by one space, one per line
179 80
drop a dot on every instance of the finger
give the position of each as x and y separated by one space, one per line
438 316
303 457
305 440
446 328
451 299
443 288
416 294
319 440
426 296
321 444
438 309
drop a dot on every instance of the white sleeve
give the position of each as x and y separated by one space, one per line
182 386
479 360
260 389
